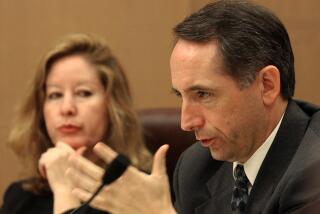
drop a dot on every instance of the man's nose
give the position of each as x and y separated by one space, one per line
68 106
191 118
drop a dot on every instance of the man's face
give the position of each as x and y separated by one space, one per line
226 119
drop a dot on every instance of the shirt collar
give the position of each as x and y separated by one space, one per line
253 164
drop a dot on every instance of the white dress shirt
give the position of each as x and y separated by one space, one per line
253 164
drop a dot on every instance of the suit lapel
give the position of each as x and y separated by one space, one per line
282 150
220 189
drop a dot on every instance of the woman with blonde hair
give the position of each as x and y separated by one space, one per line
78 97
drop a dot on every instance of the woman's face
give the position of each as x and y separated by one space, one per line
75 107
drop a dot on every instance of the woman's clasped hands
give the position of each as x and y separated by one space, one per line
52 166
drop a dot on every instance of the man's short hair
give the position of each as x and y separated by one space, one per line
249 37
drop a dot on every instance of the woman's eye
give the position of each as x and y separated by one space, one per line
54 95
84 93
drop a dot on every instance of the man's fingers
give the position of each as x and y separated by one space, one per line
82 181
98 202
108 155
81 194
159 161
87 167
104 152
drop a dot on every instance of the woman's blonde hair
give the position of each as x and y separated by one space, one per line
29 137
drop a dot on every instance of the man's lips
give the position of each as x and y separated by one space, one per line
69 129
207 142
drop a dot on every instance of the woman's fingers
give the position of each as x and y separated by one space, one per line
81 150
61 150
42 168
65 147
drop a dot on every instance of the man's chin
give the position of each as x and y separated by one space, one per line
219 155
215 155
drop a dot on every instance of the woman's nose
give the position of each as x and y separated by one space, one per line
68 106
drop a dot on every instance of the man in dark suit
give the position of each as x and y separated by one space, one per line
233 66
258 150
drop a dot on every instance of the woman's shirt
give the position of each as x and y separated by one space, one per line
19 201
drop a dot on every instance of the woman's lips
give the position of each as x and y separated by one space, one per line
69 129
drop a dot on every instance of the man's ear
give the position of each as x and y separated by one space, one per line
269 81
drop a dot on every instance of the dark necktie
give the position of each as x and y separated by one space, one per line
240 193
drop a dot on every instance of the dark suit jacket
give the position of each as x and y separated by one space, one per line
288 180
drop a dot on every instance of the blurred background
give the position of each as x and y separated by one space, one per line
139 32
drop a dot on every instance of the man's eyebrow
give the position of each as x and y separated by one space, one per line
199 87
193 88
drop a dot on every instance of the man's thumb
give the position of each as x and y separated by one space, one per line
159 161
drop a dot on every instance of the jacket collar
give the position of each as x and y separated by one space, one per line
281 152
220 189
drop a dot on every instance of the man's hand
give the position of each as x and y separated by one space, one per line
135 192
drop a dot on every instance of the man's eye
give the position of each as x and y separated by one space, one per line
177 93
203 94
84 93
54 95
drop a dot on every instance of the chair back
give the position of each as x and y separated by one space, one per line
162 126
